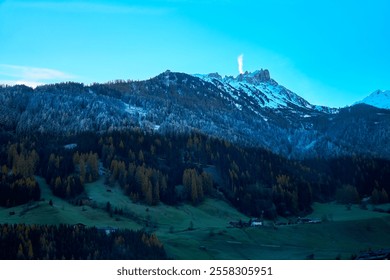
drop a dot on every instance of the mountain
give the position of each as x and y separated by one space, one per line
257 89
379 99
251 109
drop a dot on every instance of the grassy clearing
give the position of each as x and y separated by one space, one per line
201 232
60 212
339 212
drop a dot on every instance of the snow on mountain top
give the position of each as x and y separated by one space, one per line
256 87
379 99
256 77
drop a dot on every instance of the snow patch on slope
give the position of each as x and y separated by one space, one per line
133 110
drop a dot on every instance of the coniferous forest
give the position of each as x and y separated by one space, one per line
171 169
48 242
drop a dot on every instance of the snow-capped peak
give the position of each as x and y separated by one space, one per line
256 88
379 99
256 77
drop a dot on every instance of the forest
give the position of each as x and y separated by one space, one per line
172 169
182 168
76 242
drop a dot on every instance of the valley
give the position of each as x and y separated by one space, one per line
203 232
175 161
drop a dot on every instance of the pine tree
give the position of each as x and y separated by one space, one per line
93 163
83 171
30 253
58 183
20 254
4 170
68 188
141 157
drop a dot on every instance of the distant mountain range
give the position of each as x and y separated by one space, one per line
251 109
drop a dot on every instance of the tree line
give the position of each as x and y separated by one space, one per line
17 183
67 242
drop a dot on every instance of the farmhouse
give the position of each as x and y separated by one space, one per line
79 225
107 230
256 223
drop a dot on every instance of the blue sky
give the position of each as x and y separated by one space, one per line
330 52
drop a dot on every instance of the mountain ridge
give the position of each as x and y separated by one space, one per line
251 109
269 92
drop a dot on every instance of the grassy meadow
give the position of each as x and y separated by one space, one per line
203 232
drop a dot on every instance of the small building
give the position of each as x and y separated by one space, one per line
107 230
256 223
79 225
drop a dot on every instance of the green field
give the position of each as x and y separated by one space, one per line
202 232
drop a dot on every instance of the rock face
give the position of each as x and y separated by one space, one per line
215 76
259 76
255 78
250 109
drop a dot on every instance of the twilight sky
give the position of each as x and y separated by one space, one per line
331 52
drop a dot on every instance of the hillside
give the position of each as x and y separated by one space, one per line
203 232
190 157
251 109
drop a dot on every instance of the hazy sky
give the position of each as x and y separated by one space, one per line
331 52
